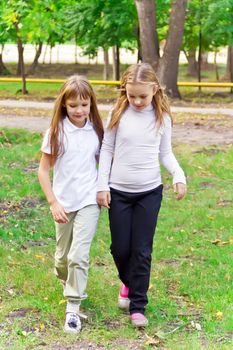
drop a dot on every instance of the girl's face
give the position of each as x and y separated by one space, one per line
78 110
140 95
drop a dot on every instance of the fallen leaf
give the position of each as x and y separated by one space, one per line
224 202
10 291
63 301
24 333
218 242
42 326
40 257
227 277
196 325
152 341
219 316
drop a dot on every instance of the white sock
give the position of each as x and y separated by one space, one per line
72 307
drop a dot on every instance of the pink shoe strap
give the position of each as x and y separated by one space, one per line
137 316
124 291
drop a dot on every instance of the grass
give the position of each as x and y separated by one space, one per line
47 91
190 295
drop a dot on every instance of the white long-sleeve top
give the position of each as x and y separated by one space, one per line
131 153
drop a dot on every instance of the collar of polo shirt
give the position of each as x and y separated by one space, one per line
70 127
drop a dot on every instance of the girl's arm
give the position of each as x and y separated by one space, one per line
105 163
57 210
169 161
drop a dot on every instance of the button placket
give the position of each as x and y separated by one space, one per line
80 141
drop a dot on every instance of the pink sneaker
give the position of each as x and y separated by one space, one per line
123 300
138 320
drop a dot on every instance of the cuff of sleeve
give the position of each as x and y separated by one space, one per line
101 188
179 178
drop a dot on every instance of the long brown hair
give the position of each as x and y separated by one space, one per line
145 74
73 87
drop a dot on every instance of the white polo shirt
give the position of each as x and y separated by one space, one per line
75 172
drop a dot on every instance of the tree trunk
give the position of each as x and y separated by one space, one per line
22 68
76 49
204 60
3 69
116 62
192 63
50 54
231 66
19 65
21 60
227 75
106 65
169 63
149 43
45 52
113 63
139 58
216 65
34 64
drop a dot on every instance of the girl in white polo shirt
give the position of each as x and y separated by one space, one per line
136 141
71 147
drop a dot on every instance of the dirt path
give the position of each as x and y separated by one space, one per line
211 130
198 126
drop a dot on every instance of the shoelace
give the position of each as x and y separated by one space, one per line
73 321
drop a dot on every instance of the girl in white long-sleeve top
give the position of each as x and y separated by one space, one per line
137 139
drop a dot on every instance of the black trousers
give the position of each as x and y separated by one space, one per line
133 218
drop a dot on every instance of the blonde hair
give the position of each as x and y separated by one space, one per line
73 87
140 73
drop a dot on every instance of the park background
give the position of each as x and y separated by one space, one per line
190 294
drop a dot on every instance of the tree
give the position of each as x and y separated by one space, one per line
166 66
13 14
191 36
34 21
149 44
169 63
3 40
106 25
220 20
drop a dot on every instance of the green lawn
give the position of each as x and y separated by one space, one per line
190 296
47 91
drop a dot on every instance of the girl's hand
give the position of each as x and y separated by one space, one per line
104 199
58 213
180 189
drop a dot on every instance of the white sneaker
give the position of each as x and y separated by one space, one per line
123 300
72 323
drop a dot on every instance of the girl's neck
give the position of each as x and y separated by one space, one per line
78 125
145 109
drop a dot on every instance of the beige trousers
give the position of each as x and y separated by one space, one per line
72 251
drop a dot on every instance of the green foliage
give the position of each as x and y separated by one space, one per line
215 20
219 23
37 20
102 24
163 8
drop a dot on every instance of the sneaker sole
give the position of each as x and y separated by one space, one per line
70 331
139 324
123 303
